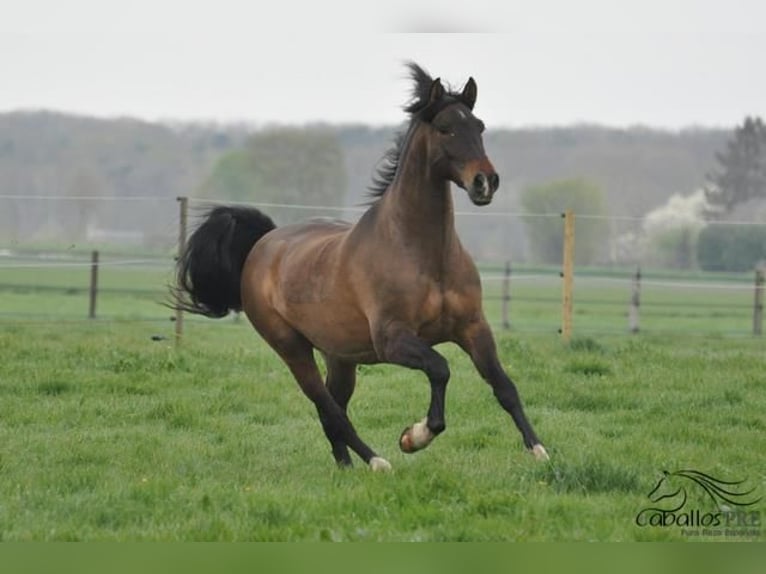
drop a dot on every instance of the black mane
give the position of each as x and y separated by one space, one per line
421 92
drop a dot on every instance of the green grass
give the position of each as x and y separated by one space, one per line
106 434
131 291
109 434
684 304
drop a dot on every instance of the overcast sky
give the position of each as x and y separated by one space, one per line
662 63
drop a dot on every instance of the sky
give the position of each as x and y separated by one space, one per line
658 63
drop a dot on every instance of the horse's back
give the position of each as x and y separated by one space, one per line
315 229
296 256
296 277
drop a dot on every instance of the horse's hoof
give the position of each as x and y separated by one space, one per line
405 441
378 464
539 452
416 437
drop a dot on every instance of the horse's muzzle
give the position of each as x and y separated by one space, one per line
483 187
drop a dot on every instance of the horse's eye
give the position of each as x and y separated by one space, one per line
445 131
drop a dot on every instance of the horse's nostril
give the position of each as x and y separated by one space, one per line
480 181
494 181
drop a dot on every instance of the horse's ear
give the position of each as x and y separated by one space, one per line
469 93
437 91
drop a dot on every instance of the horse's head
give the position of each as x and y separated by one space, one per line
457 148
443 120
456 145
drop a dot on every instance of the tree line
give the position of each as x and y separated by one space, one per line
591 169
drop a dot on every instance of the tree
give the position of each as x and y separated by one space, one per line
232 177
731 248
546 234
285 165
670 231
78 215
742 173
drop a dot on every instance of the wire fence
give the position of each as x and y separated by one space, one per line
622 282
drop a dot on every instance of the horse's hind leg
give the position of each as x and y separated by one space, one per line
341 381
299 356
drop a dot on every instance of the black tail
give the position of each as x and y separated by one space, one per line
210 268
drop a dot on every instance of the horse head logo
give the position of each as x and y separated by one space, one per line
672 487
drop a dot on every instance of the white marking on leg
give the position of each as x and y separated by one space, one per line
416 437
421 435
379 464
540 453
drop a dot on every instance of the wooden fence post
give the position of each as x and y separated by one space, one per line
635 302
506 295
760 272
93 284
183 206
567 274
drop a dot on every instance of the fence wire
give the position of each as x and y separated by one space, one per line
46 242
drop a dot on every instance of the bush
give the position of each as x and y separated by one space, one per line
671 231
282 165
730 248
673 247
546 235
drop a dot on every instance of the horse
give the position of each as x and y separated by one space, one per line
672 487
383 290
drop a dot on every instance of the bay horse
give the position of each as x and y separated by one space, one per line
384 290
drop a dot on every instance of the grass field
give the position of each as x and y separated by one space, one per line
106 434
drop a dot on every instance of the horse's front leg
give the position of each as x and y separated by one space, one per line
477 340
402 347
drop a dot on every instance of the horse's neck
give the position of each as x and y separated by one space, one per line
418 209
